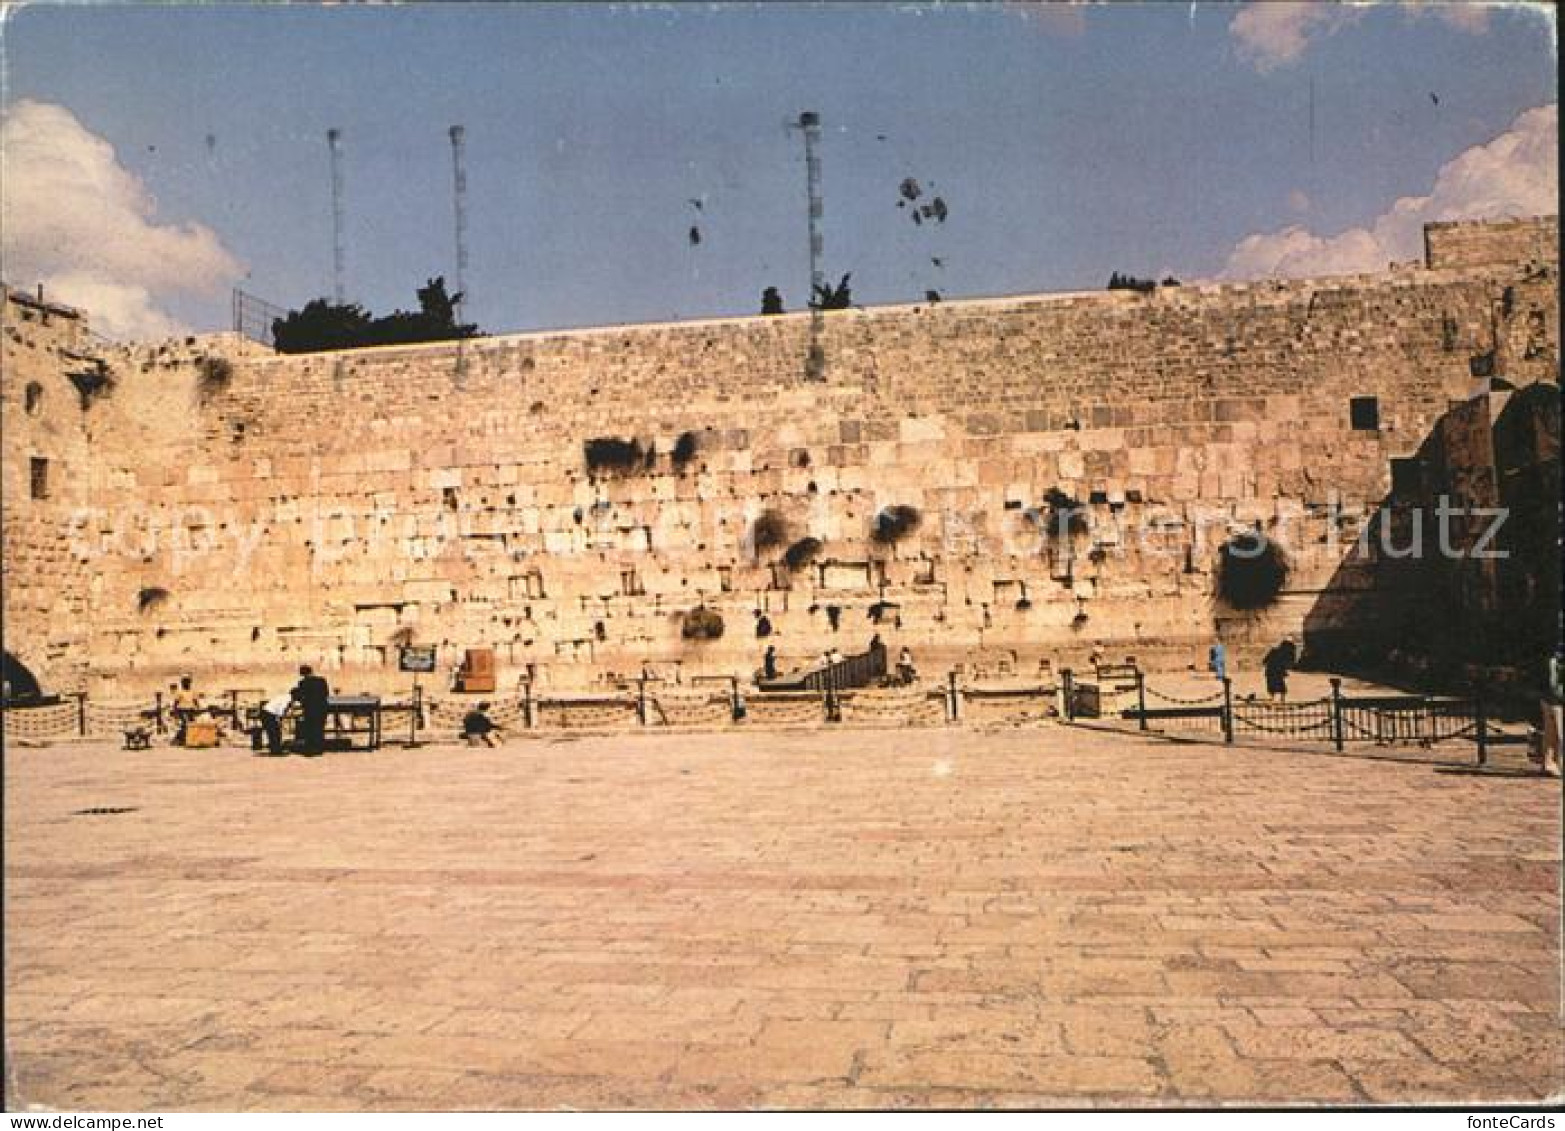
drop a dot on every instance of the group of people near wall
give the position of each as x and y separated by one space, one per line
906 673
312 695
1276 664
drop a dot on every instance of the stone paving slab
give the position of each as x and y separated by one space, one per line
918 918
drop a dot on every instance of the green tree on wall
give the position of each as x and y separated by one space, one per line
321 325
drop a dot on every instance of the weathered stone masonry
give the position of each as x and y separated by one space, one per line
221 509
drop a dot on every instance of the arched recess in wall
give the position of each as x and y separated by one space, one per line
20 682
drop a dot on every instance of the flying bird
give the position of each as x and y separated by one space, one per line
695 236
937 261
1435 98
697 201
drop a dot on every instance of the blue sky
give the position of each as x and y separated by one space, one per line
1067 143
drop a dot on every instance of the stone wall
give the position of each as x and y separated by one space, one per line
326 508
1468 244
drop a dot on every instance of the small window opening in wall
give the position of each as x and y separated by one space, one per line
40 477
1364 412
1407 478
34 397
630 583
725 579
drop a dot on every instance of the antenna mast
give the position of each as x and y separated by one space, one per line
459 184
810 125
339 256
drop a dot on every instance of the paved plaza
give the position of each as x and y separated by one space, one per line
848 918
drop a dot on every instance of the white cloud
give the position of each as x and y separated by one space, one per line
1273 33
1516 174
1269 35
75 219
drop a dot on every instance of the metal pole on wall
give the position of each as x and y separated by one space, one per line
338 254
1141 699
951 701
641 699
81 713
1068 686
1228 710
1336 713
415 713
1481 719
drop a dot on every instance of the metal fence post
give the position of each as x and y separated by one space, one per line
1141 699
1228 710
157 707
951 697
81 713
1336 713
1068 684
527 704
735 704
641 699
1481 718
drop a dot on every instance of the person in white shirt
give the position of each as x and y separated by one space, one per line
271 715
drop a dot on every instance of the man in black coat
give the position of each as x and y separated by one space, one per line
312 694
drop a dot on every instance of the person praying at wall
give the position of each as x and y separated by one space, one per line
769 662
1553 714
1217 661
478 729
906 673
313 694
1276 664
271 719
186 705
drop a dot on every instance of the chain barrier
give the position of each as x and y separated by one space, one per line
1214 698
58 720
1285 729
567 715
695 709
912 707
116 718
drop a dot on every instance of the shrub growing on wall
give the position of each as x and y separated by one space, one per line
150 598
212 376
769 530
1060 514
685 449
1251 572
895 523
91 383
609 455
702 623
802 553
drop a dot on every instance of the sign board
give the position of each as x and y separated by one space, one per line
420 658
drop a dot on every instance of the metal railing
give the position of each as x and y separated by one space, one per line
254 316
1385 720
